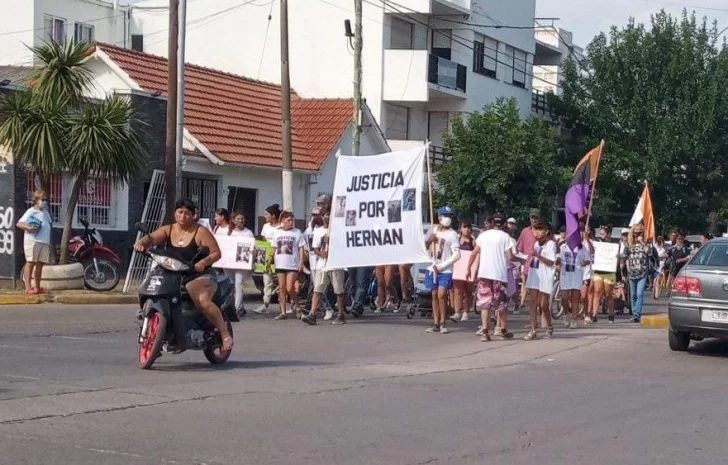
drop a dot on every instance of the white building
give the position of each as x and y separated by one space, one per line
423 60
554 46
27 23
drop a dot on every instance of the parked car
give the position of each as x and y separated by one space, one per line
698 306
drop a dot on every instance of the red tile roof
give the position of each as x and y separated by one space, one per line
239 119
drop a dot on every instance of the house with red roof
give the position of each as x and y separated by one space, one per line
232 133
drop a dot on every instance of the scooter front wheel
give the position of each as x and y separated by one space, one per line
150 346
214 353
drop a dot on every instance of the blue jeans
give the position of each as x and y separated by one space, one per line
360 277
637 294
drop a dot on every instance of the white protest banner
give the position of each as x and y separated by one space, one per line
377 210
606 255
237 252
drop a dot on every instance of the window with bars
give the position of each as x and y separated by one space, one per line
95 202
55 196
54 29
485 56
516 68
83 33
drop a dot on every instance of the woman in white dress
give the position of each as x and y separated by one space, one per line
540 279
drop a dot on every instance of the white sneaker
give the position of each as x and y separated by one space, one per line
289 310
443 330
329 315
587 320
464 317
573 325
455 317
566 321
262 310
479 332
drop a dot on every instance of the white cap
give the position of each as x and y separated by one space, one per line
511 220
625 230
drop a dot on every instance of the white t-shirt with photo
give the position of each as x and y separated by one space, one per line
446 245
268 231
494 245
320 240
286 245
572 270
543 278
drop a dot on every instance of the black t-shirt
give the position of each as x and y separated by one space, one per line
677 253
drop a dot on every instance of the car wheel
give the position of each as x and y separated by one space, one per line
679 341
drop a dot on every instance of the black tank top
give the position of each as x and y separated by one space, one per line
187 252
468 245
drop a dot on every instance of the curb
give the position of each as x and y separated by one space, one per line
22 299
656 321
93 299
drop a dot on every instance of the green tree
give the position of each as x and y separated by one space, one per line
500 161
55 129
658 95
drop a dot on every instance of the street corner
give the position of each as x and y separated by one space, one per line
655 321
95 299
22 299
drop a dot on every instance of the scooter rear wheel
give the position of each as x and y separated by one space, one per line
151 345
106 279
214 353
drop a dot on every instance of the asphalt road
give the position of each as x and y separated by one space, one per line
376 391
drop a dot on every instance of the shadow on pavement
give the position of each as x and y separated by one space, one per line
234 365
710 348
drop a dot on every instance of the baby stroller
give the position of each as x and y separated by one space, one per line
423 301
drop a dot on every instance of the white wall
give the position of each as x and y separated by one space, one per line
17 24
28 16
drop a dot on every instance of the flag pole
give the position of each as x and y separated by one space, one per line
594 184
429 180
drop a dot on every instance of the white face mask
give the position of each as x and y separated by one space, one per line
446 221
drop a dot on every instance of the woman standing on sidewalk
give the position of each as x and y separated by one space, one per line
464 290
272 224
636 254
36 223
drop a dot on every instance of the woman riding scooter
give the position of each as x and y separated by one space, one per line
186 236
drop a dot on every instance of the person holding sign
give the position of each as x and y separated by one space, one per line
325 277
572 262
238 277
446 245
604 274
272 224
495 248
288 244
463 289
540 280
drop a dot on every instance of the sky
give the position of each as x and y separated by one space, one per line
586 18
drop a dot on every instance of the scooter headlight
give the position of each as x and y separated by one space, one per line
168 263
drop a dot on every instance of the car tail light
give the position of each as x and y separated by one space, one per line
687 286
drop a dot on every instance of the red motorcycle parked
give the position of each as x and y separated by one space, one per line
100 263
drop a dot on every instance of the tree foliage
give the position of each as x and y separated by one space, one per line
658 95
55 129
500 161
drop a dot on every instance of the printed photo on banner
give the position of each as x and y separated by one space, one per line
237 252
409 200
377 216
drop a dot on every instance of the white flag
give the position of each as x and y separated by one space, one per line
377 211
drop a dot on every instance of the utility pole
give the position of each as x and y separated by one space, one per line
170 160
182 18
287 174
357 78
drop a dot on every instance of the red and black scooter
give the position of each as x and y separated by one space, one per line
100 263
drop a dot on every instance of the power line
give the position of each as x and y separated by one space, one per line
489 26
45 28
694 7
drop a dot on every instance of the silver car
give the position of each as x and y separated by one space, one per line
698 306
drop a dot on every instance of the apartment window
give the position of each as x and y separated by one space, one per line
485 56
519 68
83 33
397 122
402 37
137 42
438 125
55 29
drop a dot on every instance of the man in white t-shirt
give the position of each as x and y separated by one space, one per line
495 248
444 243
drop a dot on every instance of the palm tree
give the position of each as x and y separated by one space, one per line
55 128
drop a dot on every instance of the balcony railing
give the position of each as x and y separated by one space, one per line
446 73
540 104
437 156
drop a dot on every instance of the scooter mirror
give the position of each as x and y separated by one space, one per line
141 227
